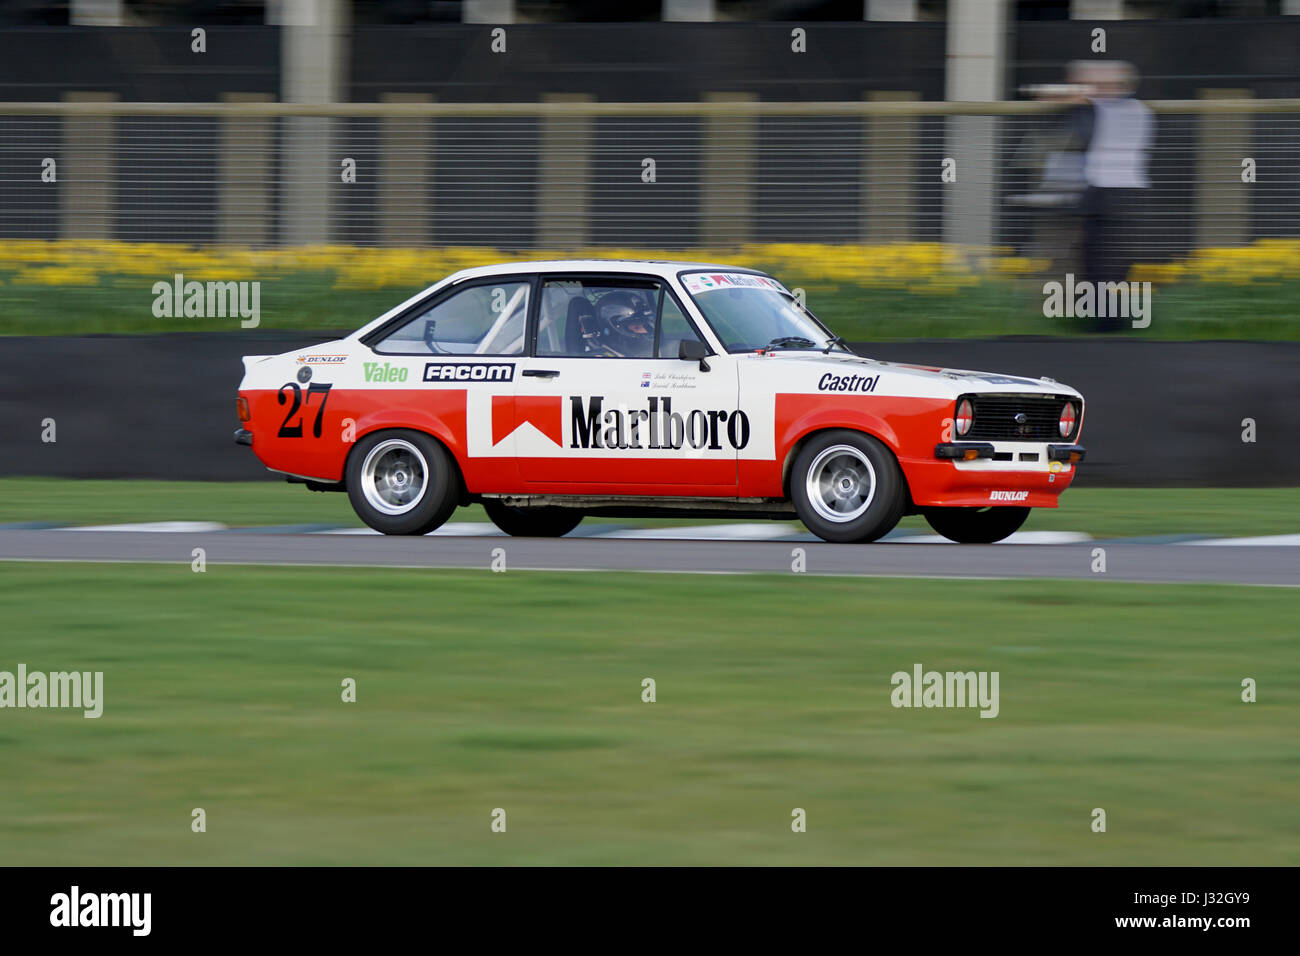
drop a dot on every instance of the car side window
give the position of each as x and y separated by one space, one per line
674 328
598 318
485 319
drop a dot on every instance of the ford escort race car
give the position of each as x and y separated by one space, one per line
552 390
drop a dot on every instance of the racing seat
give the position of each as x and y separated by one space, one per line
580 310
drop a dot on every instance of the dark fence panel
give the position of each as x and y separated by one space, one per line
484 182
625 62
619 214
138 64
166 179
162 406
1176 58
29 208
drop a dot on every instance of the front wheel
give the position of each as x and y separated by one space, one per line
976 525
847 486
402 482
532 522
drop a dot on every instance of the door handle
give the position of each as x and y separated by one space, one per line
542 372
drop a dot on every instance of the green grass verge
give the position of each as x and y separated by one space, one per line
1136 512
307 300
1181 311
1101 512
523 691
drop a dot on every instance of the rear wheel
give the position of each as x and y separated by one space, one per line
847 486
976 525
532 522
401 482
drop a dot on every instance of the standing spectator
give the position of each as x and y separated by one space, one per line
1118 130
1053 153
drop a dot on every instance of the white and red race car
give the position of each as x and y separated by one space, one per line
551 390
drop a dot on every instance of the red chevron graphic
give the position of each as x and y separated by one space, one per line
543 412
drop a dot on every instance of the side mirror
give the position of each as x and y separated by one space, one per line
693 350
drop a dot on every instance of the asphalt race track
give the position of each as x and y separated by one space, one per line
1267 565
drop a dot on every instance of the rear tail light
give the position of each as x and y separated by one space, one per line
965 416
241 409
1068 419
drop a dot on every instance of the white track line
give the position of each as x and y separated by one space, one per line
170 527
1286 540
1020 537
457 528
736 531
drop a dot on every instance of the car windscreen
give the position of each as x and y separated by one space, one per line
750 312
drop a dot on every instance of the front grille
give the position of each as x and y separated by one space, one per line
995 418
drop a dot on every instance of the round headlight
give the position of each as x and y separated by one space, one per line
1068 419
965 416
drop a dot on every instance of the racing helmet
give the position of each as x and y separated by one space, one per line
625 320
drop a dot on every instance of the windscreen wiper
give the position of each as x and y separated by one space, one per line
788 341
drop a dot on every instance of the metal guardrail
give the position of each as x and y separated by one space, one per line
565 175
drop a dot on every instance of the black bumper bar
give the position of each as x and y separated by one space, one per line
969 450
1068 453
962 450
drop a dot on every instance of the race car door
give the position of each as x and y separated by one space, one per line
458 357
605 406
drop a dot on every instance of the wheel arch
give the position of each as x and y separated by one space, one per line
877 429
412 419
411 422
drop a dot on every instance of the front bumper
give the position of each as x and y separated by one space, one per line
980 474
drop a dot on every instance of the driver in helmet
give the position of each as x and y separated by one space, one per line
624 326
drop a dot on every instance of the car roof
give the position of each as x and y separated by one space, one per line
665 268
661 268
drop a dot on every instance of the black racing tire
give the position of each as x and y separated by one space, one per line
402 482
532 522
847 487
976 525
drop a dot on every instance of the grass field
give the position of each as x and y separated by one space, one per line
1101 512
1188 310
523 691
